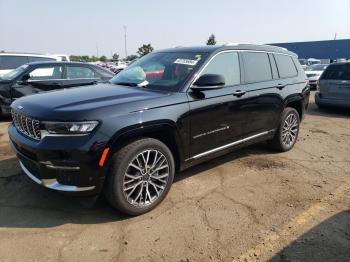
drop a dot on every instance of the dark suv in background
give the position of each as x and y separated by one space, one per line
36 77
333 87
166 112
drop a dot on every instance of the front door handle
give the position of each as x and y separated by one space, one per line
280 86
239 93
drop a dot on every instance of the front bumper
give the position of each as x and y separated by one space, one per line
313 83
321 101
66 164
53 183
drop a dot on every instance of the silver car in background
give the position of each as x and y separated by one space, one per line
313 73
333 88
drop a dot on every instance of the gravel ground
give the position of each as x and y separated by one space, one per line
250 205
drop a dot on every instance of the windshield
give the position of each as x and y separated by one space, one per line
163 71
14 73
317 67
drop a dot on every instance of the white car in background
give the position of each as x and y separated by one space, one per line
313 73
61 57
10 61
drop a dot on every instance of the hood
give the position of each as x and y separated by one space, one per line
74 101
313 72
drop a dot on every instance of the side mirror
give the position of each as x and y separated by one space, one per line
24 80
208 82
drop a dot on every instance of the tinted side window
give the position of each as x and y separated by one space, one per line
12 62
256 67
38 58
337 72
46 73
78 72
285 65
227 65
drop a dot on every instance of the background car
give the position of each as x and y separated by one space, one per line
10 61
313 73
37 77
333 87
303 63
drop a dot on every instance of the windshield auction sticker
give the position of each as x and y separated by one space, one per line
185 61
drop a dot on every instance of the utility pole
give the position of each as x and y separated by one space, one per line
126 52
96 49
335 36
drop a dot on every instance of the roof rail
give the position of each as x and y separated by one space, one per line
230 44
277 47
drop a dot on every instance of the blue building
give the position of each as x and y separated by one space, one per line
328 49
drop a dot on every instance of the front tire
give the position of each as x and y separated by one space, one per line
287 132
140 176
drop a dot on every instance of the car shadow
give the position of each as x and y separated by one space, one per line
256 149
5 119
328 241
23 204
332 112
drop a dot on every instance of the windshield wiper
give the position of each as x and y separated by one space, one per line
125 84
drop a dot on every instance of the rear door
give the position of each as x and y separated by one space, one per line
265 102
335 82
39 79
77 75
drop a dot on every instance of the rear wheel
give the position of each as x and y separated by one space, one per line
140 176
288 130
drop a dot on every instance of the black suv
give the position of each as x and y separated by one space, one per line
36 77
166 112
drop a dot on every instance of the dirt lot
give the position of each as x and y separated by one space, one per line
250 205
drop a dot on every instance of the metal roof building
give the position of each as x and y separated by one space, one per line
328 49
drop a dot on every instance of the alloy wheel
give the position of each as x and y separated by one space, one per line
146 178
290 130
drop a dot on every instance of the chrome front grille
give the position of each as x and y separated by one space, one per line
26 125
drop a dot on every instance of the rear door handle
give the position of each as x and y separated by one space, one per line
239 93
280 86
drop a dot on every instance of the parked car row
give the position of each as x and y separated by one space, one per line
116 67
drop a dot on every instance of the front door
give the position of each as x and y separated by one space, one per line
217 116
39 79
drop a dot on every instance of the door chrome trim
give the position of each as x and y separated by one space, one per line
230 144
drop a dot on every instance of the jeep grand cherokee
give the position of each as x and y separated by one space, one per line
166 112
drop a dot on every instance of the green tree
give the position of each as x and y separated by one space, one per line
115 56
211 40
131 57
145 49
103 58
94 59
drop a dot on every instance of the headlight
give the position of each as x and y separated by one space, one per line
69 128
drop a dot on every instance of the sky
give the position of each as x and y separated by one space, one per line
95 27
